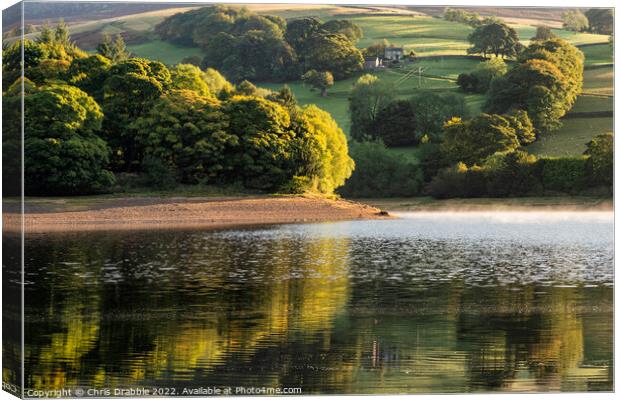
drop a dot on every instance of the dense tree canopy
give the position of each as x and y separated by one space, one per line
89 74
244 45
187 132
64 155
545 83
471 141
188 76
601 20
396 124
333 52
128 93
344 27
46 59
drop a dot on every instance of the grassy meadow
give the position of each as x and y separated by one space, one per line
441 49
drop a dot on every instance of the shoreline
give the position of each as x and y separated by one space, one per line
152 213
517 204
80 214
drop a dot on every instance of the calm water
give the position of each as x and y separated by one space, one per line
426 303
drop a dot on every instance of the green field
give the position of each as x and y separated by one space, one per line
406 85
426 35
590 104
571 139
599 81
599 54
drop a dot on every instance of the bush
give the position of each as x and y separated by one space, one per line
600 163
513 173
458 181
396 125
431 160
479 80
566 174
66 167
381 173
63 154
473 140
156 173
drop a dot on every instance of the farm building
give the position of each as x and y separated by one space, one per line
372 62
393 53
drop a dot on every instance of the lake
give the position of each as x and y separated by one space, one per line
427 303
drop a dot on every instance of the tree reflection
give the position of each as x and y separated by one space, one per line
194 309
188 321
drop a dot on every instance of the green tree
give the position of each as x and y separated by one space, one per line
286 98
216 82
543 32
47 34
63 154
524 129
58 42
574 20
380 171
601 20
61 34
396 124
471 141
601 158
33 54
262 159
545 83
189 134
368 97
89 74
299 31
321 151
431 110
128 93
479 80
320 81
334 53
237 42
352 31
495 38
187 76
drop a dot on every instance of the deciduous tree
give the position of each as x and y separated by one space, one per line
495 38
471 141
320 81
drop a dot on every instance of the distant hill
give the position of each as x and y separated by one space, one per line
539 13
37 13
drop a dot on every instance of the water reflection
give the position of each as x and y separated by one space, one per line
406 306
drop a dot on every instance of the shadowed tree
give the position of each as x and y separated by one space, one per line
495 38
320 81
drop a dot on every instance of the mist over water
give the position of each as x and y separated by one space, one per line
429 302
